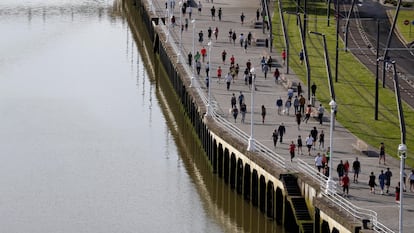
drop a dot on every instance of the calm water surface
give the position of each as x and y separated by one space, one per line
84 144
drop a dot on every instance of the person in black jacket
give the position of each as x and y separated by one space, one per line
282 131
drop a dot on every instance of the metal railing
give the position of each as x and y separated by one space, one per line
342 203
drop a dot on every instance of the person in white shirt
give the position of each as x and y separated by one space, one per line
309 143
318 162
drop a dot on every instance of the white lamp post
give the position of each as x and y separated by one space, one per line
194 63
402 149
167 21
330 184
209 80
251 145
181 33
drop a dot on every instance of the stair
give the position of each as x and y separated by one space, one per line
298 203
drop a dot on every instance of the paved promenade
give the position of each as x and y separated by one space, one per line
266 94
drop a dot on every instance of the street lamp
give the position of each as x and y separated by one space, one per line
181 32
330 184
209 80
402 148
328 66
251 145
194 63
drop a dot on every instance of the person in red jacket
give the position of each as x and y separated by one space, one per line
345 185
203 53
292 148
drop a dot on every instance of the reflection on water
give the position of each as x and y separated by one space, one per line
85 144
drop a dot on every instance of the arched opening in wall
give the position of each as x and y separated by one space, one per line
220 159
270 200
210 146
262 193
279 205
325 227
247 178
239 175
233 171
334 230
255 188
226 165
215 154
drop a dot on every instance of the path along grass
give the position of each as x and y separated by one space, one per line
355 89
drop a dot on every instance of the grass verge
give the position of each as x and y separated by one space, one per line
355 89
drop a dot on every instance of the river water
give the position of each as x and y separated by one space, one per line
85 145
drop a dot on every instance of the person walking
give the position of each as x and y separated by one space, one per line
282 131
313 89
209 33
200 7
314 134
263 114
388 175
301 56
299 143
340 169
296 104
321 110
233 37
190 59
242 18
275 136
345 185
307 113
309 143
318 162
220 13
381 153
299 87
411 177
232 59
200 38
198 67
228 80
381 179
288 104
213 13
235 112
356 167
207 68
397 192
321 140
219 72
223 56
216 31
203 52
276 75
298 119
372 183
243 110
279 104
233 101
283 56
302 102
241 98
292 148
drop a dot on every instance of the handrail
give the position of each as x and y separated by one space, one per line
344 204
302 166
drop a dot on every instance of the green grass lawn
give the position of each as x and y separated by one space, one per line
355 89
406 31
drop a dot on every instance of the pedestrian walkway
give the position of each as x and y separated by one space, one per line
268 91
